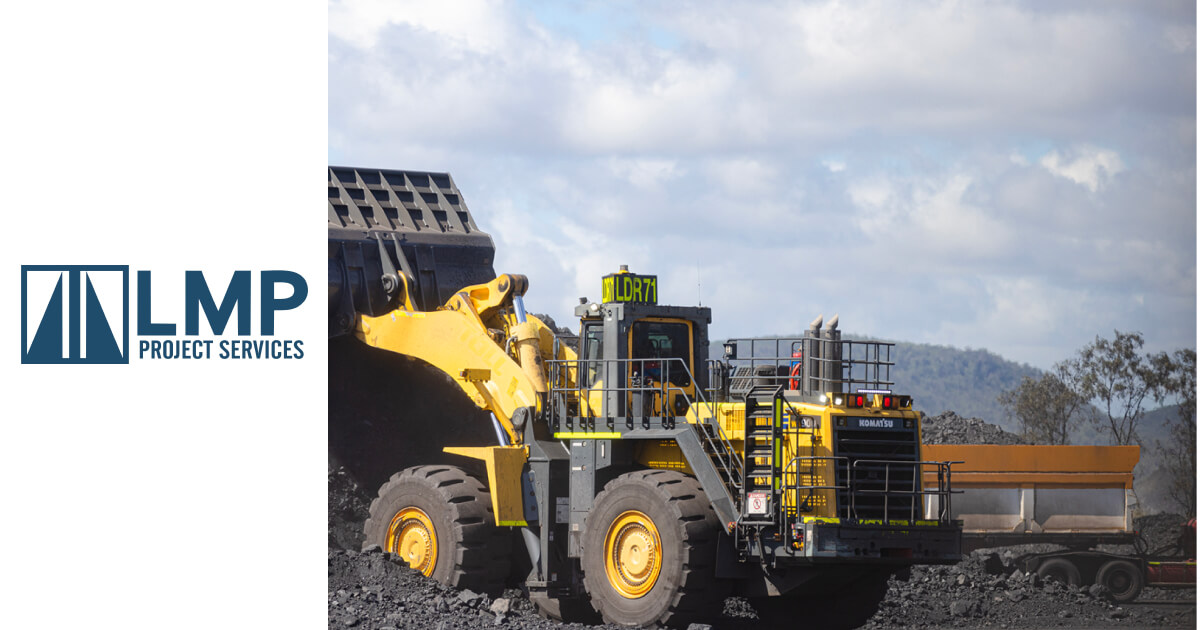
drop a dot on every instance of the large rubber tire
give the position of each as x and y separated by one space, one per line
1061 570
683 587
840 608
1122 578
470 551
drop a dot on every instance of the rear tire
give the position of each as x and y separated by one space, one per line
650 551
1122 578
1061 570
439 520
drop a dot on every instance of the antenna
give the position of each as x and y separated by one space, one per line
699 297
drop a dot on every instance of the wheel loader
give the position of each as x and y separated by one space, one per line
633 476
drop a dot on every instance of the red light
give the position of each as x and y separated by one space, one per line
887 402
859 402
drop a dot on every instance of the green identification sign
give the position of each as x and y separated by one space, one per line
630 287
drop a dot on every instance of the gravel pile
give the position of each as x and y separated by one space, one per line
951 428
984 591
348 504
373 589
1161 531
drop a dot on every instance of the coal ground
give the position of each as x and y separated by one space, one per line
372 435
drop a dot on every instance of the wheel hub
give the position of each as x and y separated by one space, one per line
411 536
633 554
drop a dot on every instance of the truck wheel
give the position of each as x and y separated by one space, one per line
439 520
1122 578
841 608
1059 569
650 551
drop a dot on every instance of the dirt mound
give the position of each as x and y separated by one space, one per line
984 591
1160 531
951 428
348 503
373 589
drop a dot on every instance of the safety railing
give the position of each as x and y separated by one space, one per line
905 485
649 393
820 471
812 365
893 488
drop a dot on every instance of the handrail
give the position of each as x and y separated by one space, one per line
814 463
943 490
825 365
561 390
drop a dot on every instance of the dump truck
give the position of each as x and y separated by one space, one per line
632 476
1075 497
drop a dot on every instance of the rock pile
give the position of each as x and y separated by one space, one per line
372 589
375 590
348 503
951 428
1160 531
983 590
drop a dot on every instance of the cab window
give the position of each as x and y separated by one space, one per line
593 352
665 341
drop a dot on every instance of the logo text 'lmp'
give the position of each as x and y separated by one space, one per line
80 313
74 314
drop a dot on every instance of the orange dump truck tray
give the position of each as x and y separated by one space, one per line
1036 489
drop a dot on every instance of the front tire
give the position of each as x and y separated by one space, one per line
650 551
439 520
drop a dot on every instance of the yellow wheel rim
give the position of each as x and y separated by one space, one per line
632 554
411 536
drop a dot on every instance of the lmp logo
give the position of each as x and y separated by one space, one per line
74 314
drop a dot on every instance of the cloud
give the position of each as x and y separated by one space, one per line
834 166
645 173
1089 167
942 171
475 25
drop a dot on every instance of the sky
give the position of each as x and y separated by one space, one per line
1014 176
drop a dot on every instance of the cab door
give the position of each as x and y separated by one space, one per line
662 353
591 369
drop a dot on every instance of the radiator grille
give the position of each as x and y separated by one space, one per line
865 481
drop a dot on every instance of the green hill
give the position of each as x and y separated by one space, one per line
941 378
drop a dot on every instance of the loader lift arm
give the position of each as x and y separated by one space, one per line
467 339
411 273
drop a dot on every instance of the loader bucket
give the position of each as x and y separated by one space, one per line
399 223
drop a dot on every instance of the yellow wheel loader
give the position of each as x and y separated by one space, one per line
632 476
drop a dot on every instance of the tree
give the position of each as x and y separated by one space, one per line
1179 456
1046 408
1114 375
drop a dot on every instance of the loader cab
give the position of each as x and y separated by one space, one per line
640 358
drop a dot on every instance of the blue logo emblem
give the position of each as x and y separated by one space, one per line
74 314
